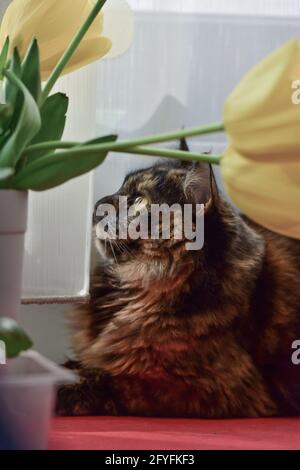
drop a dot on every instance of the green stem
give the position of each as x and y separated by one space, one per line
170 153
51 145
70 50
76 147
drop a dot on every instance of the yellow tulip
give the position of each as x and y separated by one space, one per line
268 193
261 167
260 118
54 23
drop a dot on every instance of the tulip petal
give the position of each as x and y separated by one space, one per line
268 193
54 24
260 118
89 51
118 27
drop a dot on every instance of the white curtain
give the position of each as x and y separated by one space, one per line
256 7
178 72
57 245
181 68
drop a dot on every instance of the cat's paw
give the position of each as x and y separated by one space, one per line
72 402
84 399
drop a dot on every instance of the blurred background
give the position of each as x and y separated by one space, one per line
186 57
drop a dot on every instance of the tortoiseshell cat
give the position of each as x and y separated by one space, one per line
177 333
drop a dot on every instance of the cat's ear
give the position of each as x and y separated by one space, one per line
185 164
184 145
200 185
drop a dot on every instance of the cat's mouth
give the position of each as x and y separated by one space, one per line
115 249
123 251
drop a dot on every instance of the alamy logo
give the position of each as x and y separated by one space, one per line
2 353
296 93
296 354
141 221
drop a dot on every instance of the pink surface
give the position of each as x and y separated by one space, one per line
105 433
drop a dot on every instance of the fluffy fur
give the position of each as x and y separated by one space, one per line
177 333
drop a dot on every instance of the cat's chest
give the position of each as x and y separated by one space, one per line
151 337
155 345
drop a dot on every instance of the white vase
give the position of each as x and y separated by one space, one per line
27 397
13 223
27 384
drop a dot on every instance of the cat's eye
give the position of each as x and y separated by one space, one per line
141 201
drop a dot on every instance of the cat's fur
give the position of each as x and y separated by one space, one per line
171 332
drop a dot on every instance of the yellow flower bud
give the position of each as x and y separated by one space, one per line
268 193
260 117
261 167
54 23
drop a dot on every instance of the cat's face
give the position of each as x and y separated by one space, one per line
174 185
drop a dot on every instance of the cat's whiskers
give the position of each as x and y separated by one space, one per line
124 248
113 251
105 245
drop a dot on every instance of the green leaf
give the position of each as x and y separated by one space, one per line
14 338
53 114
5 173
57 168
27 126
11 92
6 113
3 57
31 75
